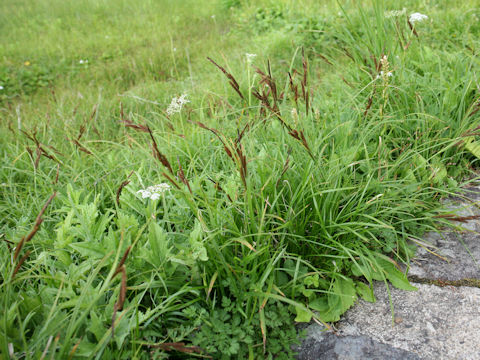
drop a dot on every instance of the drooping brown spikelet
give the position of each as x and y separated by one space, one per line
412 28
233 83
158 155
121 269
31 234
130 124
56 175
120 188
324 58
20 262
182 177
219 188
171 180
476 107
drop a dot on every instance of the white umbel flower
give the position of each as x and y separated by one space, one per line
154 192
395 13
417 17
177 104
250 57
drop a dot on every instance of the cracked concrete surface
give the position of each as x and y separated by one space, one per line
439 321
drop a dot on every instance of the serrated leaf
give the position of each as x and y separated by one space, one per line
89 249
96 326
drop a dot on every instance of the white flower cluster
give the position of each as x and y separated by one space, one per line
177 104
154 192
381 75
1 87
250 57
417 17
395 13
81 61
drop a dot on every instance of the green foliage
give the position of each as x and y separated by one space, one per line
24 79
226 333
285 203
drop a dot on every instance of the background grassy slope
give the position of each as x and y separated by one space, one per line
286 206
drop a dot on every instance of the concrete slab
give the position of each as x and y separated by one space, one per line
459 258
431 323
320 345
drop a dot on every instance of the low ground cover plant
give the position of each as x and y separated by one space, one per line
209 222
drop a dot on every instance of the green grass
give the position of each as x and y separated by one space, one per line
285 203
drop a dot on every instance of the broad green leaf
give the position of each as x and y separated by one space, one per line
370 273
473 146
395 276
365 291
303 315
320 304
341 298
344 294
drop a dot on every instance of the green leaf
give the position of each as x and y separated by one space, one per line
303 315
368 272
341 298
311 281
89 249
96 326
344 294
157 239
395 276
320 304
439 172
472 146
198 250
365 291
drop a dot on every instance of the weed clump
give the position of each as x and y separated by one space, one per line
283 193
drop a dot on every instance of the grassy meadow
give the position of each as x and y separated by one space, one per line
301 150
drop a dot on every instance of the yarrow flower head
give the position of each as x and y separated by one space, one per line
154 192
417 17
81 61
250 57
1 87
177 104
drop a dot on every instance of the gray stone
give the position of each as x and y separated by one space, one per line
321 345
431 323
459 257
452 255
